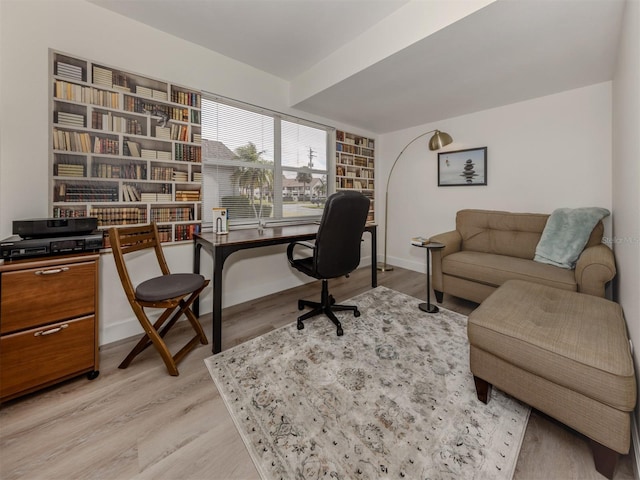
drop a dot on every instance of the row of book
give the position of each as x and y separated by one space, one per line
171 214
118 215
179 176
186 232
356 184
108 78
130 193
79 93
63 212
174 132
357 173
186 98
74 72
354 149
69 119
102 76
188 195
161 173
113 123
71 141
85 193
354 139
69 170
139 105
133 171
151 93
133 149
188 153
151 197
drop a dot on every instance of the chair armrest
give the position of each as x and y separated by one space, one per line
452 242
594 269
292 245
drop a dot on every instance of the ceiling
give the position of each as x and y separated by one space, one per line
386 65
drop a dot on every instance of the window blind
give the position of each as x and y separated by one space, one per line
261 164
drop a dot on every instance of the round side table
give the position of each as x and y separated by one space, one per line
428 307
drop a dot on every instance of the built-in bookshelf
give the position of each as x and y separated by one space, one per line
355 166
124 148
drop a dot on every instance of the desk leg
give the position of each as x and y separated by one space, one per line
374 258
196 269
218 261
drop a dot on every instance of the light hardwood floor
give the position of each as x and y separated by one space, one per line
142 423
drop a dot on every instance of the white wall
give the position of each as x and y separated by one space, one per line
28 29
543 154
626 181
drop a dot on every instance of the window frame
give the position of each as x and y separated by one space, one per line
278 167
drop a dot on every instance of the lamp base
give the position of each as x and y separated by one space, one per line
383 267
429 308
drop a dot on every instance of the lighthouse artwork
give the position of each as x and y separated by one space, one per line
462 167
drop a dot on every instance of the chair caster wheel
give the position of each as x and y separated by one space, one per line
356 313
93 374
300 325
300 305
332 300
340 332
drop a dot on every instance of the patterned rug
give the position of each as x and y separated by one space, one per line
392 398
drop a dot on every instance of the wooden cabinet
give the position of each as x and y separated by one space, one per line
355 166
48 322
124 148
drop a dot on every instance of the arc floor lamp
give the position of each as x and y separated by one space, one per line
437 141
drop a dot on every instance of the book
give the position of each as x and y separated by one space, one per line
419 241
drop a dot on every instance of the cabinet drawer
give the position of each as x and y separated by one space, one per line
38 296
41 356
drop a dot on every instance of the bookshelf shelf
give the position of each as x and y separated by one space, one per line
124 147
355 166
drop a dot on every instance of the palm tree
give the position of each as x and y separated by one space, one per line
304 178
249 179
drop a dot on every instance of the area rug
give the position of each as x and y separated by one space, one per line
392 398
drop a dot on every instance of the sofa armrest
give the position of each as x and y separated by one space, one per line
594 269
452 242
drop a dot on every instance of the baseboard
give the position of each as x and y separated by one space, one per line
409 265
131 327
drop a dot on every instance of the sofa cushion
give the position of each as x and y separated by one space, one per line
501 233
495 270
574 340
506 233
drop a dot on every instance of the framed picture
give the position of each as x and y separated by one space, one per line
462 167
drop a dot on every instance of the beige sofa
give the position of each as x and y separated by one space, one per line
489 247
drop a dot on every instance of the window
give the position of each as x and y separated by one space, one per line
262 165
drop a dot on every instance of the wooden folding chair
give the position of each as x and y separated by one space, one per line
170 291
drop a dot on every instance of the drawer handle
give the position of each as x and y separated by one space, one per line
52 271
51 331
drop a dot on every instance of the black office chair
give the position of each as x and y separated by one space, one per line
336 251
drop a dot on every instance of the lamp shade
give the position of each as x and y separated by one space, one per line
439 140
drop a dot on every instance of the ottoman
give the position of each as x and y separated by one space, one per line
565 353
